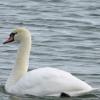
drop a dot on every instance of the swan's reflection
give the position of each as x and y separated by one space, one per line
37 98
88 96
22 98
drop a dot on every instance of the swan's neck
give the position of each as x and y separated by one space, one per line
22 62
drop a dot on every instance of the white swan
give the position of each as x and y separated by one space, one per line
42 81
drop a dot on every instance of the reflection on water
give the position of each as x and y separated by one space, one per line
87 97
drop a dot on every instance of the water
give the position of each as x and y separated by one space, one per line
65 35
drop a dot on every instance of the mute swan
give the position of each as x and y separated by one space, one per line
42 81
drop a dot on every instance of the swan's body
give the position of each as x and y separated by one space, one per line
42 81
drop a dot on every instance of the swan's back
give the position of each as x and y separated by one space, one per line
49 82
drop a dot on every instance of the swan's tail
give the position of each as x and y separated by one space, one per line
82 92
95 89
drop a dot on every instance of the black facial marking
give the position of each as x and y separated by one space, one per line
13 34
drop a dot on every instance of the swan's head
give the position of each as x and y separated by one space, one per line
19 34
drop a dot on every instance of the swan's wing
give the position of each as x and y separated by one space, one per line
49 81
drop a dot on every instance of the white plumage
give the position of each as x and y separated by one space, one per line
50 82
42 81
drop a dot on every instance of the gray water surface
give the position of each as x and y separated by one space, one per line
65 35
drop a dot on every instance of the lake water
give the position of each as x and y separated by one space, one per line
65 35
